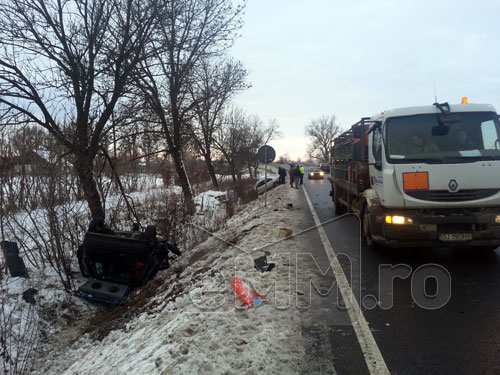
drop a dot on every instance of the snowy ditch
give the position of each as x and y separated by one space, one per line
25 324
188 320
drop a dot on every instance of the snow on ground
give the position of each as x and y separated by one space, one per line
188 320
209 199
54 308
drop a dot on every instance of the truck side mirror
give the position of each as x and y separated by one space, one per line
358 151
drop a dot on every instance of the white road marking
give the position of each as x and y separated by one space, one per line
373 357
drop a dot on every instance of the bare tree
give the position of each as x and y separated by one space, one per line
65 65
230 140
216 81
239 139
262 135
271 131
189 32
322 131
284 158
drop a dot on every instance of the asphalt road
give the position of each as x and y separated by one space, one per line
460 336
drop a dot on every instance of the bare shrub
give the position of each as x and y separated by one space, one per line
19 334
49 235
197 171
242 189
167 173
166 210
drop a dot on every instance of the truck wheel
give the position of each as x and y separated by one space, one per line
367 231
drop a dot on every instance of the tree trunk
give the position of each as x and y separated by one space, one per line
232 170
211 171
183 180
249 166
83 170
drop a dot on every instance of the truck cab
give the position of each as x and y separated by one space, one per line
433 176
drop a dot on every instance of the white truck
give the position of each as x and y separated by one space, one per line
422 176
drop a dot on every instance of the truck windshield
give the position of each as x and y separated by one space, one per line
470 137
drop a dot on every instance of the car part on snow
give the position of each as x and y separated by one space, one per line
249 296
29 295
174 249
104 291
14 262
262 265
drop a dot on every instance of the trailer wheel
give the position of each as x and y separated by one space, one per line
339 207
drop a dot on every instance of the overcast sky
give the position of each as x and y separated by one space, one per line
354 58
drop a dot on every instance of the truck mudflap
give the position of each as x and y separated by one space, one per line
446 229
103 291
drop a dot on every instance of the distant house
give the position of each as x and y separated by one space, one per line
5 163
30 162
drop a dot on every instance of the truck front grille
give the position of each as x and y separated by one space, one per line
446 196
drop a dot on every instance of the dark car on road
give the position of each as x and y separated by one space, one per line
325 167
315 173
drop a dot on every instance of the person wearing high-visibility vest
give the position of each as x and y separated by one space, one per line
302 170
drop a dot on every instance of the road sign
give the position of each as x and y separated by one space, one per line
266 154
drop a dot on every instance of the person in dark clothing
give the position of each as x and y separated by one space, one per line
282 174
296 176
291 174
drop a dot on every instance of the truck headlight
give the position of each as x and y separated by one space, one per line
400 220
321 173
